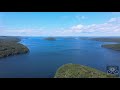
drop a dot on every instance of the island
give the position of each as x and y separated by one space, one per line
50 38
10 45
79 71
115 47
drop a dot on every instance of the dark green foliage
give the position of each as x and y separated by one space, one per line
50 38
79 71
10 46
112 46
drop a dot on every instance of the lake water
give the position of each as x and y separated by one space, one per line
45 57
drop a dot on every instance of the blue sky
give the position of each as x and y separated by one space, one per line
60 23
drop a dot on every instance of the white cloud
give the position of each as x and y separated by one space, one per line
77 27
112 26
114 20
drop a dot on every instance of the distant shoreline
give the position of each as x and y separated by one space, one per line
115 47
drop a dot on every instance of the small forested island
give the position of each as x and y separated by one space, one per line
79 71
50 38
9 46
110 39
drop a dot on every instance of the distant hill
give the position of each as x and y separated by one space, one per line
107 39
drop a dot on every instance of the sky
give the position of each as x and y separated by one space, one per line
59 23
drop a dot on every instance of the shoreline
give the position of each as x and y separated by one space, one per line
116 42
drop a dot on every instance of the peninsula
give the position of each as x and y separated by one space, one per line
79 71
10 46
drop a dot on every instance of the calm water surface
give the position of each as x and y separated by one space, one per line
46 57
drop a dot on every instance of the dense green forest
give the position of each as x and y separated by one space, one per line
79 71
11 46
